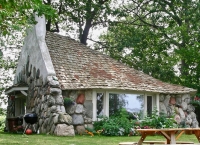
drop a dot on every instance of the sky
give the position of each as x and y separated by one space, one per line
133 102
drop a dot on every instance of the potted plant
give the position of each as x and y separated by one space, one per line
68 102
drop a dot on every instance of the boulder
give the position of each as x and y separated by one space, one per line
177 118
55 91
51 101
185 96
195 124
77 119
53 109
188 119
68 119
52 129
58 108
161 98
178 100
79 108
53 81
193 115
71 109
184 106
176 110
40 122
87 120
166 101
55 119
190 108
61 118
182 114
64 118
162 108
64 130
88 107
62 108
89 126
59 100
80 129
43 98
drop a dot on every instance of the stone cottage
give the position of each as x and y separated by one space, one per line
52 68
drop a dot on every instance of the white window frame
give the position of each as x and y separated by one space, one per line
155 100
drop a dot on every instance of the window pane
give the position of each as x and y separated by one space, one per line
116 102
100 97
131 102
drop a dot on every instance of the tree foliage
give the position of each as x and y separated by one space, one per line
15 15
8 62
79 16
160 38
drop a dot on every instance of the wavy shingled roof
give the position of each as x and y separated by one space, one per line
79 67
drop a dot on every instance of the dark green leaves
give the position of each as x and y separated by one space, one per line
15 15
160 38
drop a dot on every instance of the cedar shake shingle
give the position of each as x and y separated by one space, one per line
79 67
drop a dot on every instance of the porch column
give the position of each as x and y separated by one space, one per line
157 103
145 105
94 102
107 104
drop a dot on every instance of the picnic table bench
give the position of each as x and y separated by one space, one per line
171 135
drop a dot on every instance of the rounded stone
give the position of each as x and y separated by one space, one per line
77 119
79 108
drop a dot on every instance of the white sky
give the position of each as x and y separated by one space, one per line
133 102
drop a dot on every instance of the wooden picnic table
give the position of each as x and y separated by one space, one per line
171 134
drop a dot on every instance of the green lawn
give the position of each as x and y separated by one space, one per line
43 139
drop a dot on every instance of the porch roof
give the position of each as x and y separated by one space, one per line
79 67
17 87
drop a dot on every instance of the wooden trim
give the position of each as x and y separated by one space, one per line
16 89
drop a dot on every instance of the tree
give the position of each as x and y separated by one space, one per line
159 35
15 15
80 16
7 66
139 48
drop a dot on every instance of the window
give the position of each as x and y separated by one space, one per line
133 103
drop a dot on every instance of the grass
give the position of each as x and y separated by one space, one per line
43 139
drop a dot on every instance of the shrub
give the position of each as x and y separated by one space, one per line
2 118
116 125
158 121
2 122
98 125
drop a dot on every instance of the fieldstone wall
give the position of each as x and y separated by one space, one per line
81 109
179 105
45 99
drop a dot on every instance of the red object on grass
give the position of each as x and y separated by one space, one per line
28 131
